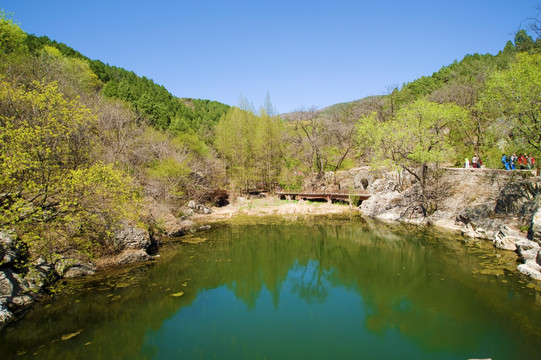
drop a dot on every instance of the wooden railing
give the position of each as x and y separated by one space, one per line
326 195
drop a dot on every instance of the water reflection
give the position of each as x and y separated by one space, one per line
291 290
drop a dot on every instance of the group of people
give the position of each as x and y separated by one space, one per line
523 162
475 162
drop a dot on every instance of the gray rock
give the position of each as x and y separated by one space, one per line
5 314
469 231
199 208
475 214
9 249
164 219
39 275
182 228
386 204
507 238
22 301
529 271
14 290
12 284
82 269
362 178
132 256
187 225
130 237
71 268
516 196
534 232
507 243
527 250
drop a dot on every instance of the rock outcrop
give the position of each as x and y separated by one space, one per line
18 289
21 285
479 203
71 268
131 237
506 239
9 248
199 208
163 218
534 233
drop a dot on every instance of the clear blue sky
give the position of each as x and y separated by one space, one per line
304 53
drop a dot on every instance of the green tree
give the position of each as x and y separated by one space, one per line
416 139
51 191
12 37
523 41
515 94
234 142
267 137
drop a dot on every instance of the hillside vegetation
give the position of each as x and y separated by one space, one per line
84 143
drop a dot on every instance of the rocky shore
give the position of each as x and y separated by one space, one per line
23 282
496 205
499 206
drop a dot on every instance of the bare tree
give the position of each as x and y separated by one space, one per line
535 23
307 139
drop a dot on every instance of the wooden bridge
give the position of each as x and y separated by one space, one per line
344 195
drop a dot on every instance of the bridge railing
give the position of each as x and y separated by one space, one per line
335 192
359 195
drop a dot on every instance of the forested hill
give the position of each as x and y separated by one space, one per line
84 144
459 81
152 101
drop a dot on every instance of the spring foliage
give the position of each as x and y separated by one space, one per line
51 191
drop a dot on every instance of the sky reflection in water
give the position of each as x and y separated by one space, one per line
290 291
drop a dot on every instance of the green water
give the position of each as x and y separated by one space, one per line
284 290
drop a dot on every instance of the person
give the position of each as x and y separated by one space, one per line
513 161
474 162
466 163
531 162
505 162
522 162
479 162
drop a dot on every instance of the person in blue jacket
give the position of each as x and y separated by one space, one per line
505 162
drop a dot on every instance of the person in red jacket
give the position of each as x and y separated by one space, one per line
522 162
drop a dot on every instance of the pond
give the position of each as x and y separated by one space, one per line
315 289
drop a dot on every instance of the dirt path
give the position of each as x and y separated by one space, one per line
273 206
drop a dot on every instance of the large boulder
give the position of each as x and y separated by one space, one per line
353 179
383 205
527 250
506 239
131 237
14 289
39 275
71 268
385 201
132 256
480 220
362 178
528 271
530 254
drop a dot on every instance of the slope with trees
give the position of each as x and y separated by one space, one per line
175 149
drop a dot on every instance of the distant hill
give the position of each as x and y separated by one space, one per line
150 100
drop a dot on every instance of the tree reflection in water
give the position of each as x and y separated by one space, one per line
426 288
